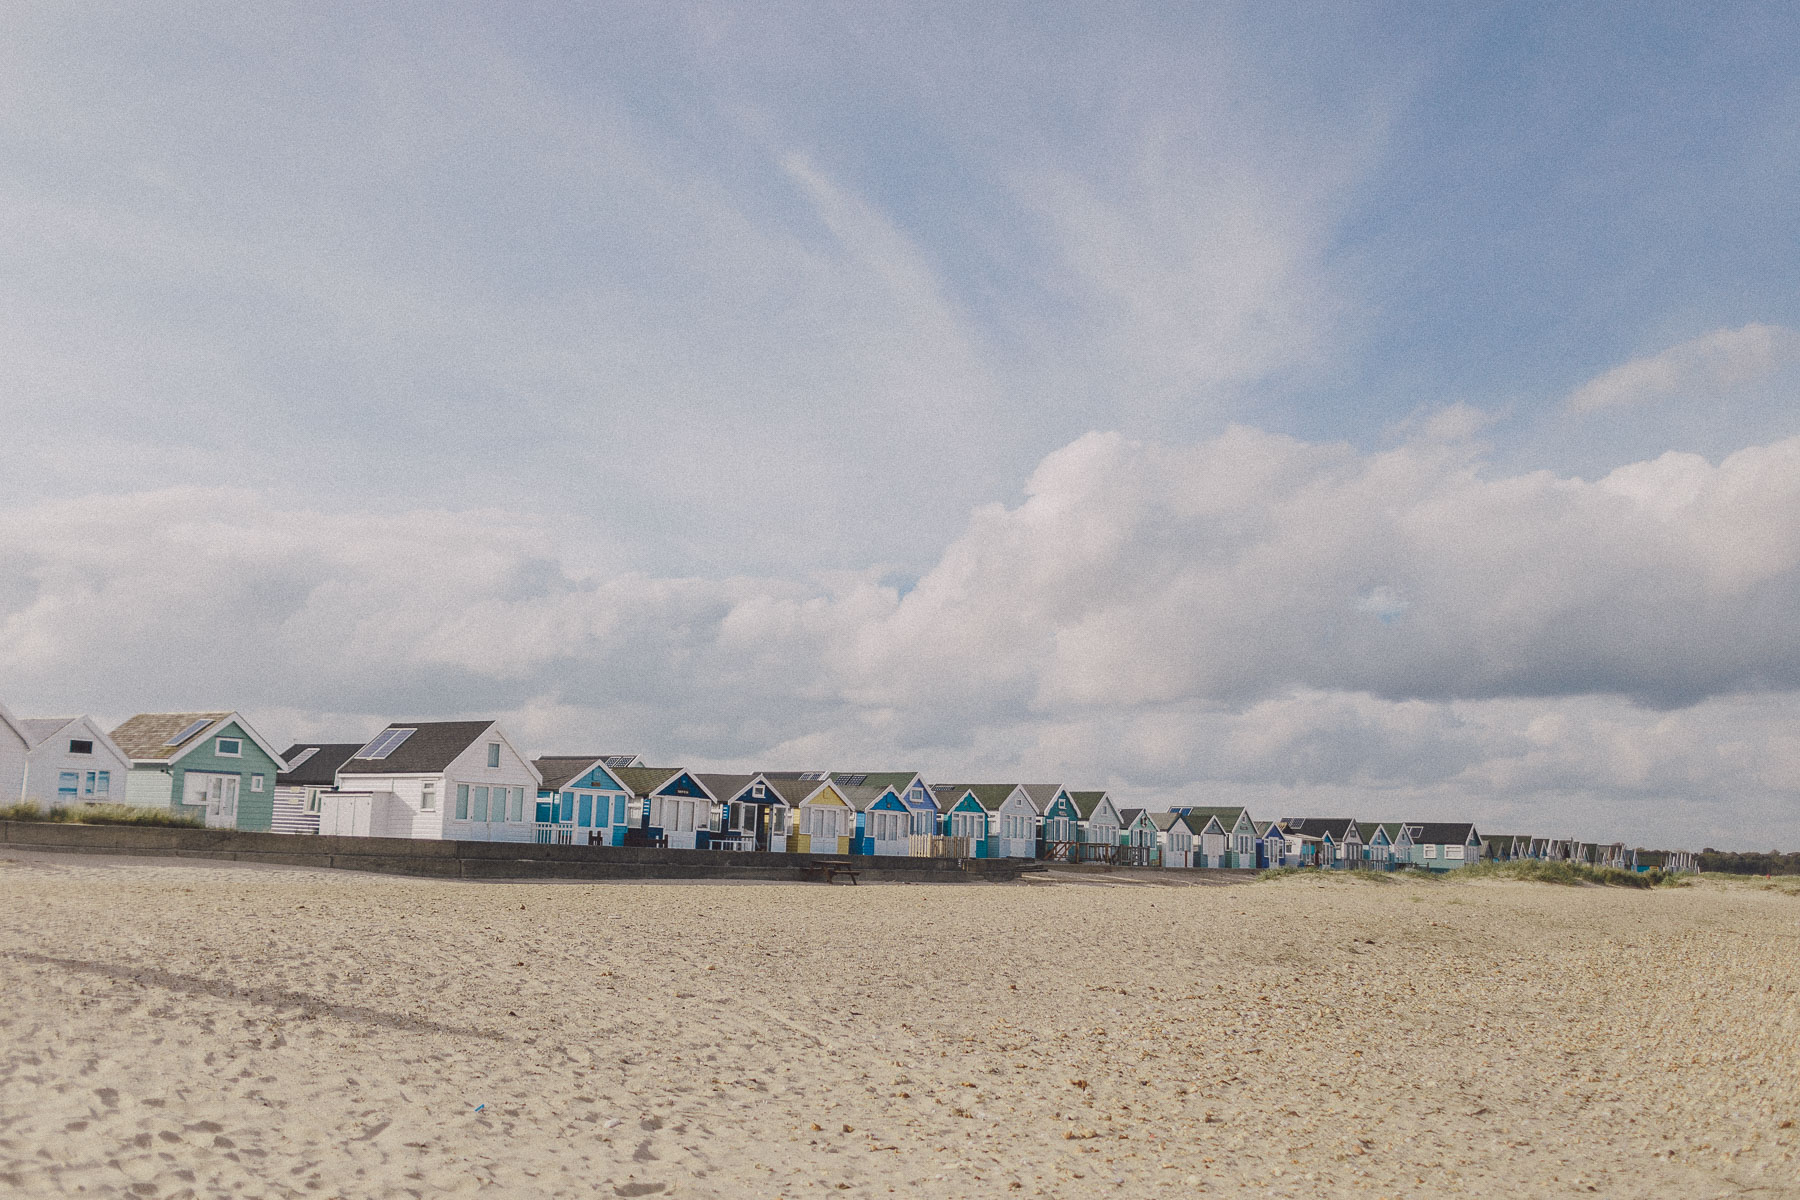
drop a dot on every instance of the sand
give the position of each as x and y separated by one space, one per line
175 1030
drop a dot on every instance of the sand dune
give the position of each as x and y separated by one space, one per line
178 1029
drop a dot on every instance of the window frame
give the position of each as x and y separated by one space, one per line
80 746
493 755
219 750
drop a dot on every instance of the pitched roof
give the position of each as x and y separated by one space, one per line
726 787
1086 803
643 780
1129 816
558 769
1366 830
143 738
991 795
948 795
319 768
1265 828
1041 795
39 728
1227 814
1443 833
898 780
1337 827
432 746
8 721
1165 821
861 796
794 790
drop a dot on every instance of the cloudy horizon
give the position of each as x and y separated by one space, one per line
1328 412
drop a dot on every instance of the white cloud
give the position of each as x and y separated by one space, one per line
1700 368
1174 621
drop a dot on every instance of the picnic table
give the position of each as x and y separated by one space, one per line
830 869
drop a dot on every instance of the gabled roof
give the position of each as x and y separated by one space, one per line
898 780
1087 803
1444 833
1339 828
1202 821
432 746
145 737
150 733
558 769
1042 795
8 721
642 781
1165 821
1227 814
1129 816
1266 828
725 786
795 791
948 795
318 769
1367 830
38 730
989 795
863 796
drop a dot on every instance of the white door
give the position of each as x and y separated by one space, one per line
218 794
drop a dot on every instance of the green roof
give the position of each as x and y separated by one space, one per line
1086 802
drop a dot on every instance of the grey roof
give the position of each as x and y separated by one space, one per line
320 768
1338 827
432 746
795 790
1165 821
898 780
38 728
1443 833
1129 815
1041 795
725 787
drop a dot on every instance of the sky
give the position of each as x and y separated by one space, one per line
1389 411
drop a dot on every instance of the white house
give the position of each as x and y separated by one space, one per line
459 781
15 748
72 761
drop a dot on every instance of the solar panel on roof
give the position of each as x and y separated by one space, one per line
302 757
189 732
385 743
620 760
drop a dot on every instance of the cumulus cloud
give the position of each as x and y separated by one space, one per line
1251 616
1700 367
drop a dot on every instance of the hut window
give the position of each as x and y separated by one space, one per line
81 747
256 782
493 754
518 804
462 801
481 804
586 817
229 748
428 796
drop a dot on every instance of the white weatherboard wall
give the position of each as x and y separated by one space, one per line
51 758
398 808
150 786
1015 826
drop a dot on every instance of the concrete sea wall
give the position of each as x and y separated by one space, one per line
482 860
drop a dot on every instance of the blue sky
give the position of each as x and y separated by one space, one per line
692 317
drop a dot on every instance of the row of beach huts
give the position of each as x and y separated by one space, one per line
469 781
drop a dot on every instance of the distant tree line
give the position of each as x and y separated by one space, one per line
1754 862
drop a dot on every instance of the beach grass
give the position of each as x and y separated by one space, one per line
1530 870
99 814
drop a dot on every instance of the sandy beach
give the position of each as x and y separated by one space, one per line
198 1030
